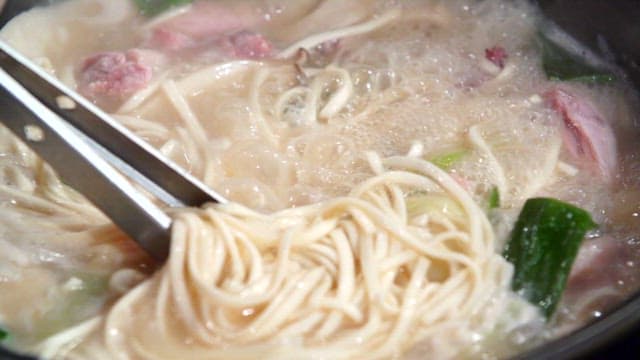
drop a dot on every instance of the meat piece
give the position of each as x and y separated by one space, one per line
249 45
219 28
586 134
204 23
487 70
210 17
601 261
116 74
594 255
497 55
169 40
329 48
600 276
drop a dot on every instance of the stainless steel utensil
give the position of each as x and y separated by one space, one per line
587 20
95 154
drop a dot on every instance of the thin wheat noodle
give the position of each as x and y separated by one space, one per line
362 28
303 299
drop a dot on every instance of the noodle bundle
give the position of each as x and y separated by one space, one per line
376 155
356 276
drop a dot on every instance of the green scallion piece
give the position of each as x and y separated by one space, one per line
494 198
4 334
542 248
560 64
155 7
446 161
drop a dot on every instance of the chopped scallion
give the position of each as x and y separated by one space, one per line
155 7
560 64
446 161
494 198
542 248
435 205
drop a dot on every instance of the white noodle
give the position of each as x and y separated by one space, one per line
203 78
362 28
340 97
257 116
141 96
356 273
497 170
295 295
567 169
549 164
196 133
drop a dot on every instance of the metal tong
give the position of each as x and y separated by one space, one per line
95 154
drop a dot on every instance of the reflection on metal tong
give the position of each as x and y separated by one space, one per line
95 154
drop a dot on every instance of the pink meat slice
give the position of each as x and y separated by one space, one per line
170 40
497 55
586 135
209 17
595 254
475 77
211 24
600 262
116 74
249 45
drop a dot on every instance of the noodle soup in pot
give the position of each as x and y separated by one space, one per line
451 178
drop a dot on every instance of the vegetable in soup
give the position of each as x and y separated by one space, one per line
422 177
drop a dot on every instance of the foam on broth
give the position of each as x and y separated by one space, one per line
424 79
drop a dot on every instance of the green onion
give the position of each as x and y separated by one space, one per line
155 7
77 306
542 248
446 161
494 198
434 204
560 64
4 334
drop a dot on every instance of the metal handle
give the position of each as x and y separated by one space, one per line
80 166
104 130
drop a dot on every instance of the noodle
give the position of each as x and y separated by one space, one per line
497 171
335 243
353 30
360 155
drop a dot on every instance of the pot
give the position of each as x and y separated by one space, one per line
611 29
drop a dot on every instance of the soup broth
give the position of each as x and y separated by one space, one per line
377 155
